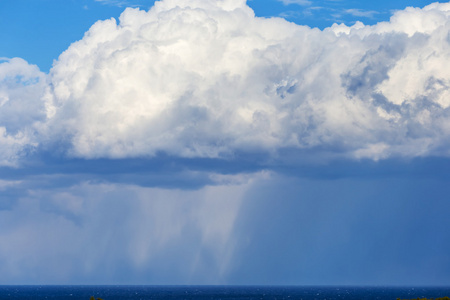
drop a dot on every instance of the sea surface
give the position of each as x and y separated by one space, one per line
218 292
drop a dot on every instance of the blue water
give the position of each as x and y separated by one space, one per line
216 292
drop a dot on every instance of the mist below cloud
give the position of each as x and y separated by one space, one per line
261 228
105 233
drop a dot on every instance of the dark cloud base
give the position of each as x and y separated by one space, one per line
173 172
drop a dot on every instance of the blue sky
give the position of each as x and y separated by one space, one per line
223 142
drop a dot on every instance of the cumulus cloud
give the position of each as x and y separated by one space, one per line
205 78
22 87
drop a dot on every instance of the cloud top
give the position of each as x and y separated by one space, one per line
205 78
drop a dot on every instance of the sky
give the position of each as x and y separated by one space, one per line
268 142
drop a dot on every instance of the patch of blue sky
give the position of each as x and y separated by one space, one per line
39 31
20 79
324 13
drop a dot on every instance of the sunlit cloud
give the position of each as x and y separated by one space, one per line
210 80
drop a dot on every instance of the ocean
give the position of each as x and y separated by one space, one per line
218 292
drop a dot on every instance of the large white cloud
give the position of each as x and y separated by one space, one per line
205 78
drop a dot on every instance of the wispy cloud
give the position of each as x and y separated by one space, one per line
119 3
298 2
332 14
310 11
361 13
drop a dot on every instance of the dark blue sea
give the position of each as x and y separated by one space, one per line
217 292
